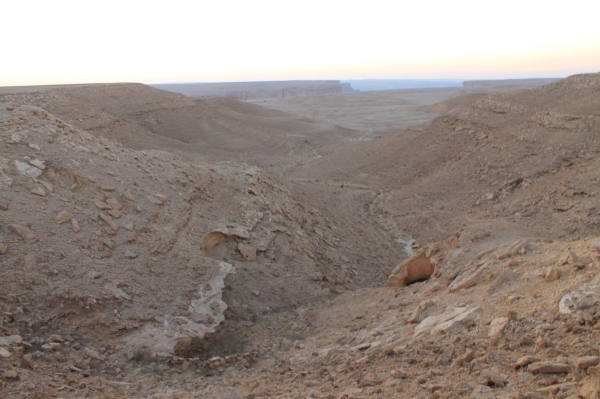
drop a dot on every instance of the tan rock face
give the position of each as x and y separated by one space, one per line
27 235
418 267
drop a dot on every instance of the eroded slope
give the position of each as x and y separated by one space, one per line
112 256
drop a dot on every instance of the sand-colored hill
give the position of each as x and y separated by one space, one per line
143 118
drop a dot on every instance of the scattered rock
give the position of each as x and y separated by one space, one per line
524 361
497 327
27 235
467 281
129 197
91 353
62 217
416 316
114 203
247 251
38 164
75 225
155 200
10 375
418 267
116 292
552 275
114 213
548 368
449 320
111 223
27 361
11 340
567 302
28 170
103 206
48 186
583 363
4 354
130 255
37 190
3 205
464 358
493 379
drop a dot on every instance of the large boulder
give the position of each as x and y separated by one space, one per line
418 267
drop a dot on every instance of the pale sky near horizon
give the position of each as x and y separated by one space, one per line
59 42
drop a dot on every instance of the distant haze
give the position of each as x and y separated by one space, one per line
67 41
400 84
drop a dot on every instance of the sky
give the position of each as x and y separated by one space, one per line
60 42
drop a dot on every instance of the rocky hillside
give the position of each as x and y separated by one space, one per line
144 118
110 254
131 273
499 318
527 156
